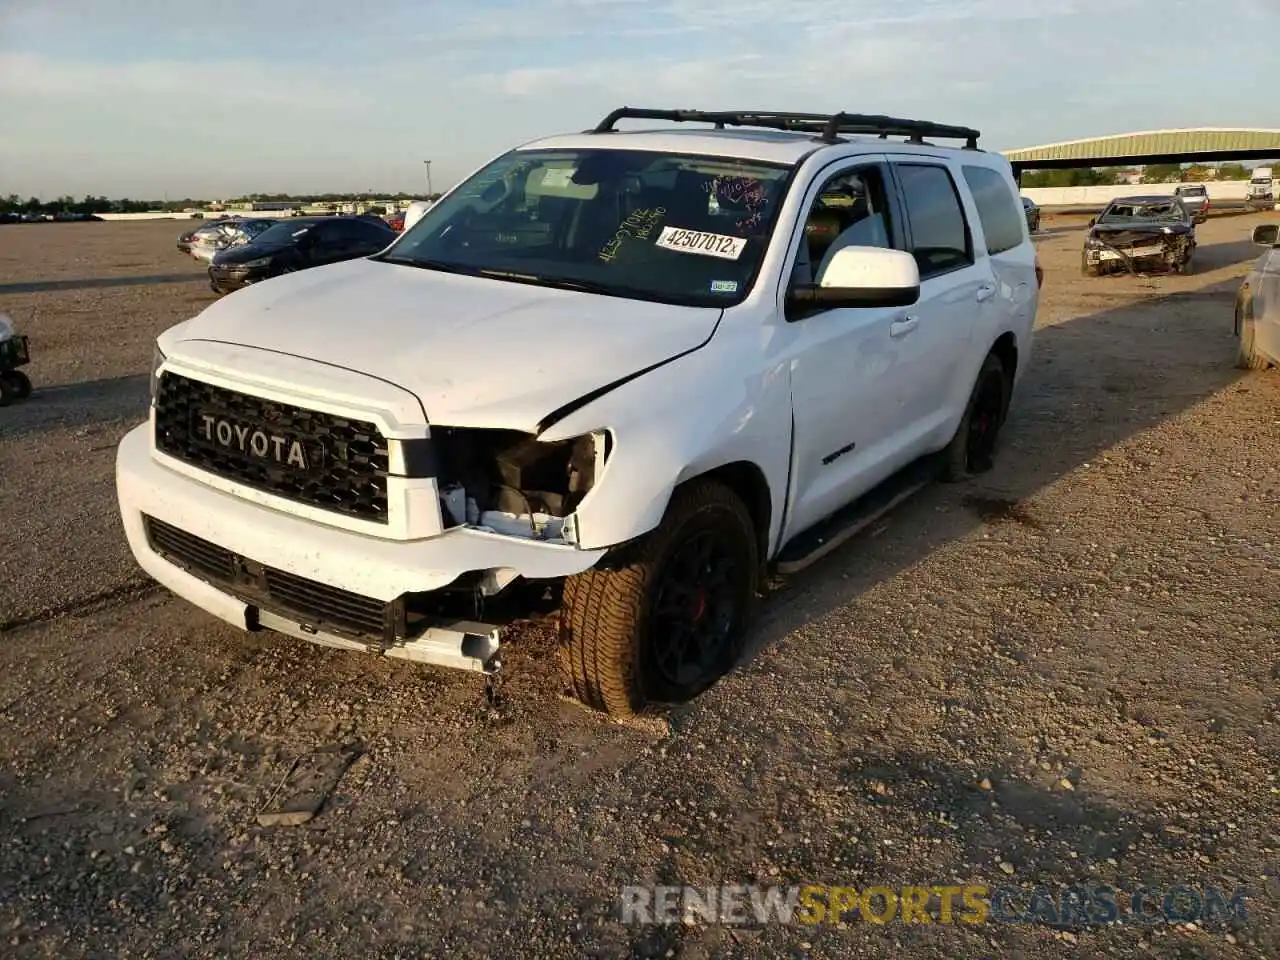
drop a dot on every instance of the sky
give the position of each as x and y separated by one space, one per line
153 98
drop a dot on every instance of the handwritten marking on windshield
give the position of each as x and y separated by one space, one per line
637 226
747 191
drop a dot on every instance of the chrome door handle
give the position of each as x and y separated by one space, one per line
986 292
900 328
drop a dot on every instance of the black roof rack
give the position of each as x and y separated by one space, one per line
828 126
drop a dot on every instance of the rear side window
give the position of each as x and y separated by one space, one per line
939 234
1002 221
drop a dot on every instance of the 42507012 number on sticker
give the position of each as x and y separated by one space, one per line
706 244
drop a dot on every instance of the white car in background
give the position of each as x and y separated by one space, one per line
206 244
1258 304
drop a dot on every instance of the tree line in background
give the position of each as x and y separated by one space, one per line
1080 177
1155 173
90 204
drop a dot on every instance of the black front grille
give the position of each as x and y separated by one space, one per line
315 458
315 604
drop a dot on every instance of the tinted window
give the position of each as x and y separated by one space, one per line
939 233
1002 223
367 231
285 231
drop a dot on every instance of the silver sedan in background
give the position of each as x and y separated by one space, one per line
204 242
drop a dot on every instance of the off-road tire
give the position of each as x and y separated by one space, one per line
19 383
956 465
604 646
6 393
1247 357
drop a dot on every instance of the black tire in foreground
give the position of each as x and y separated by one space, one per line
17 383
665 619
972 449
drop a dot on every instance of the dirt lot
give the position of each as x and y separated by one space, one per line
1065 673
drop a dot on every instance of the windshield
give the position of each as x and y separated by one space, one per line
282 232
673 228
1192 191
1129 212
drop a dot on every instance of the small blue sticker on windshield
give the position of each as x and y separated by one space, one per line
724 286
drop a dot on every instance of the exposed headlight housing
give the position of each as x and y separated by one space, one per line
489 474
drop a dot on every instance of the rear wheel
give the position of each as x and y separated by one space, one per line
972 449
666 619
19 383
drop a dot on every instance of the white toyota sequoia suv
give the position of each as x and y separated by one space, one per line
621 373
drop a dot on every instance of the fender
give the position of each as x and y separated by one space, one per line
700 411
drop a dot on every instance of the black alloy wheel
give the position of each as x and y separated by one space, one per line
985 421
695 607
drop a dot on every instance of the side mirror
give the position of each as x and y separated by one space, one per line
1093 221
1267 235
862 277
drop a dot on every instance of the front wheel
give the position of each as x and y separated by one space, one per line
1247 356
972 449
18 383
666 619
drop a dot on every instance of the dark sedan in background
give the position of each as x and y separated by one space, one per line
297 244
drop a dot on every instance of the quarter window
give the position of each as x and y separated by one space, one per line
939 234
1002 222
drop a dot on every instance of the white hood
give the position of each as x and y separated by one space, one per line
476 352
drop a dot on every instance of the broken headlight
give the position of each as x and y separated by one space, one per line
484 475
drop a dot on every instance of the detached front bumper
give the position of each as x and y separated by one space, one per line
255 567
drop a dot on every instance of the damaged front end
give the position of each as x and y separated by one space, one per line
509 482
1163 249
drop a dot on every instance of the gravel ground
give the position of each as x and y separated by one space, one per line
1063 673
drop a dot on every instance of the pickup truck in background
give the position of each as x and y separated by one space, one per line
1260 193
1195 197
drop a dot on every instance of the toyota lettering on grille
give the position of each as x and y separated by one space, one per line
255 442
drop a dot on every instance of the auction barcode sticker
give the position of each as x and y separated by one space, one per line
695 241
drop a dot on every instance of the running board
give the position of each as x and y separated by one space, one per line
807 548
457 644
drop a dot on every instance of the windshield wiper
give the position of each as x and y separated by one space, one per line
559 283
439 265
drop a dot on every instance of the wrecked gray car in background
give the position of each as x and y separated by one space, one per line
1140 235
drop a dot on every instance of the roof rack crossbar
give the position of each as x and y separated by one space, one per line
829 127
